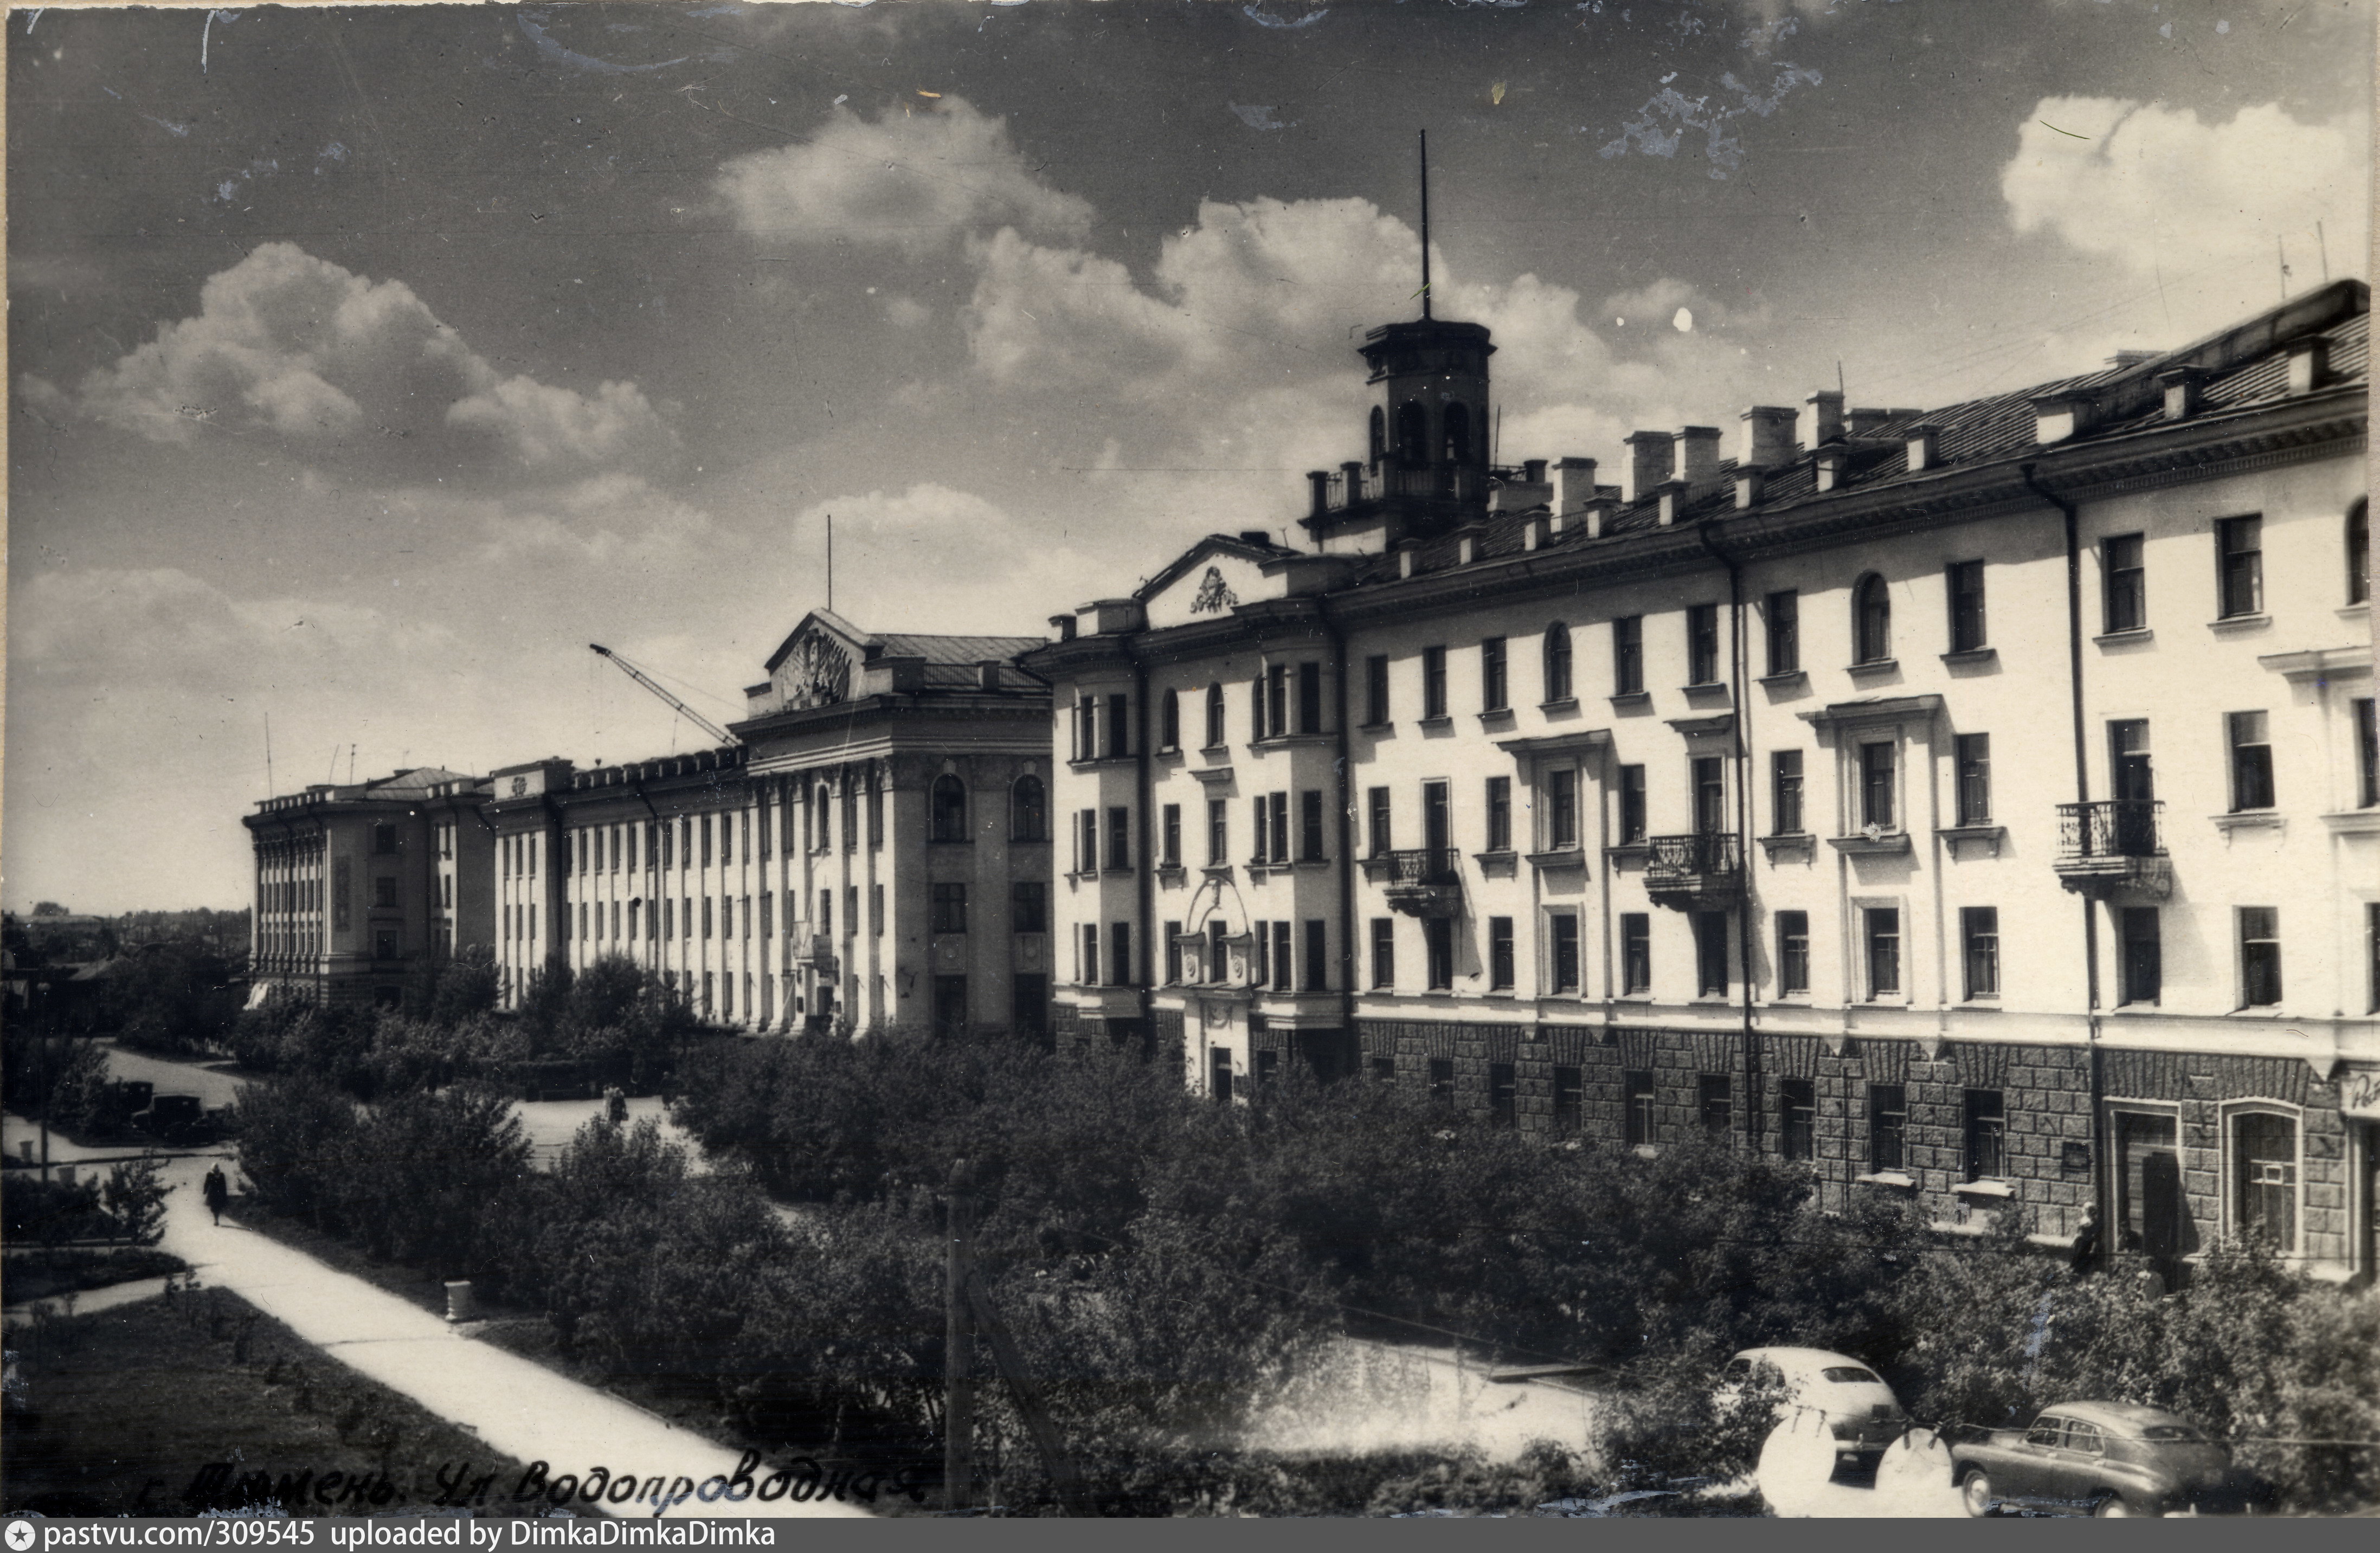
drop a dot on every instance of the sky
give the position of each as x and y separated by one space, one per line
367 364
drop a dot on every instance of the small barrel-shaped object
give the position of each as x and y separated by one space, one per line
462 1301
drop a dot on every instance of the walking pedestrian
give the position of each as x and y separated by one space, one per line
217 1192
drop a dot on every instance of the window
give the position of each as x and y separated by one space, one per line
1028 810
2252 760
1309 825
706 918
1120 954
1029 1003
1458 433
1413 434
826 913
2260 957
2240 566
1798 1107
950 823
1569 1099
1214 717
1503 1094
1087 842
1561 807
876 910
1317 956
1565 951
1708 775
1871 621
1118 839
1268 1066
2141 971
1438 937
384 891
1380 435
1979 938
1883 925
2372 960
1384 951
1218 966
1887 1126
1715 1098
1173 954
1628 655
384 946
2367 753
1087 956
1986 1135
1309 698
2264 1172
1218 834
384 840
1792 953
1433 682
1877 807
2358 554
1500 953
1784 633
1119 739
1169 721
1557 654
1375 690
950 908
1636 953
1785 792
1029 906
1973 755
1499 810
1441 1081
1632 805
2126 606
1966 588
1276 694
1636 1090
1493 696
1710 954
1170 832
1383 1069
1702 644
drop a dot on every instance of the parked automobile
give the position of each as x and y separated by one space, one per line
2087 1458
1857 1405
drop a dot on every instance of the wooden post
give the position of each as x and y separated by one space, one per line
1046 1437
958 1345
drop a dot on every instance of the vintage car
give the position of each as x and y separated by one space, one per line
2088 1457
1859 1407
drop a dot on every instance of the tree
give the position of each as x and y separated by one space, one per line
48 908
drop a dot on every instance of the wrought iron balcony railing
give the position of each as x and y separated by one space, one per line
2109 829
1700 868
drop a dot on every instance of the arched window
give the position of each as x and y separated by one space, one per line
1029 809
949 814
2359 554
1214 717
1380 435
1169 722
1458 433
1413 435
1557 687
1871 621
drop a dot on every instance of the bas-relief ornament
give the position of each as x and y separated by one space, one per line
1215 595
819 675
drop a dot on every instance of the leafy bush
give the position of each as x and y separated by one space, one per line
294 1133
431 1179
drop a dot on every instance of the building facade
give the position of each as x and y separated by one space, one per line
360 885
1979 803
874 852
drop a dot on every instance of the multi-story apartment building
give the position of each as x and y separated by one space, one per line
1979 803
360 885
875 852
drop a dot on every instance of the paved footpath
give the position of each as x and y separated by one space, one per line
520 1408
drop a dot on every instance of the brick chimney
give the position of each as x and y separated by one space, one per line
1697 459
1923 447
1767 439
2309 364
1825 417
1573 484
1650 454
1864 422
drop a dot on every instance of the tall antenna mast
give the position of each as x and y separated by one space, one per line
1424 223
830 563
269 790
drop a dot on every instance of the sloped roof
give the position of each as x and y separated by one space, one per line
415 782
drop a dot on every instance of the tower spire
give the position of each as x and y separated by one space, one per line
1424 223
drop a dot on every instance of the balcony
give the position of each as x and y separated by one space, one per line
2113 847
1698 872
1423 882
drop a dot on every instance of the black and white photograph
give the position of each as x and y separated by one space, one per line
1554 758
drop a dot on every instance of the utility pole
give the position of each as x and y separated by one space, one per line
958 1344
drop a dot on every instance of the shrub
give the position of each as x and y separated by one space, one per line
293 1134
432 1179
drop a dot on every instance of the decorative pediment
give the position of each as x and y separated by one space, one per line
817 673
1210 580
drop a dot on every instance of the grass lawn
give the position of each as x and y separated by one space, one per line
167 1406
44 1274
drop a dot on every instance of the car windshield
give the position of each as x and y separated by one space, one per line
1850 1375
2173 1433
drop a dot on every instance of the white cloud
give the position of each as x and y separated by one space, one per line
361 373
2203 208
912 180
932 558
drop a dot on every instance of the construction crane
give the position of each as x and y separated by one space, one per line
718 734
